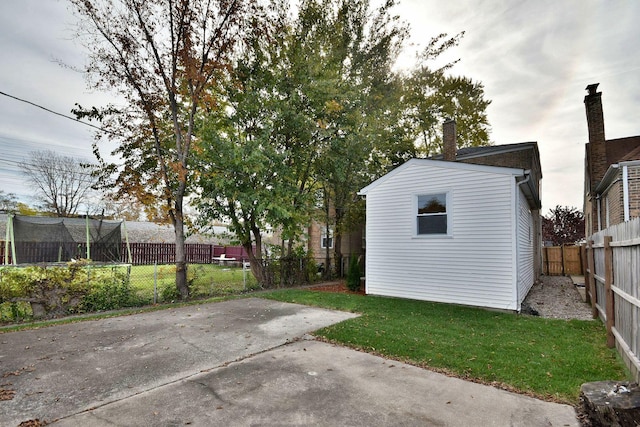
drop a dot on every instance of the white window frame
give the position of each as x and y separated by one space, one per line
448 214
327 234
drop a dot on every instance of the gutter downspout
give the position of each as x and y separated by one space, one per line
625 192
526 173
598 203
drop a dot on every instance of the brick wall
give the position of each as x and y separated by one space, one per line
314 244
633 175
613 198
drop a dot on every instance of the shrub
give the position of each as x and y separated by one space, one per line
353 274
169 293
110 293
57 290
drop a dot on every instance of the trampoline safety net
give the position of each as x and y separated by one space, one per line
44 239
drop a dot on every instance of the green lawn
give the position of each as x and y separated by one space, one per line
204 279
547 358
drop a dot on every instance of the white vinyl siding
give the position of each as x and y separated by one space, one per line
526 274
473 266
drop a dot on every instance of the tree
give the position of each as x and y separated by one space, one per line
563 225
163 57
306 113
63 184
314 113
362 106
433 96
259 173
8 202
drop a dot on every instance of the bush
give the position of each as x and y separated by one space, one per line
353 274
110 295
169 293
65 289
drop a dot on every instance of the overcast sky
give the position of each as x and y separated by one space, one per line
534 57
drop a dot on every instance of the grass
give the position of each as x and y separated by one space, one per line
205 280
546 358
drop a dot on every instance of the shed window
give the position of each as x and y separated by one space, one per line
432 214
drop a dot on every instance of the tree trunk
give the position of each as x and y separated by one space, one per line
327 254
337 242
181 266
337 253
255 258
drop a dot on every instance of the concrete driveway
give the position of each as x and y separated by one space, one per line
236 363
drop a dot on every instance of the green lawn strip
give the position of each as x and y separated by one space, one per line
547 358
205 280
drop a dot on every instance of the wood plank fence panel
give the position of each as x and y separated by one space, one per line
141 253
616 272
562 260
572 260
553 261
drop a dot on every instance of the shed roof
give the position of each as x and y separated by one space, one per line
444 165
530 190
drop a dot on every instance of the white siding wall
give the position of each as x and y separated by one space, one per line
526 275
474 266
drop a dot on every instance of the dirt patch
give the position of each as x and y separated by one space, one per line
336 287
556 297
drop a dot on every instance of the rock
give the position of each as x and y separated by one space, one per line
611 403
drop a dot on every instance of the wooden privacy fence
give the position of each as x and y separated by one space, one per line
562 260
144 253
612 280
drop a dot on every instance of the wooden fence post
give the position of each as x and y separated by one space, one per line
585 272
592 279
608 282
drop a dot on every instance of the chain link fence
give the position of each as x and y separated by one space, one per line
157 283
56 289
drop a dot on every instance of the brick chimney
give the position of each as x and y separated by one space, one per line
449 144
596 147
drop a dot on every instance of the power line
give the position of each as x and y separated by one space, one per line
56 113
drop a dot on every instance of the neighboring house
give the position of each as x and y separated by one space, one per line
321 240
459 228
612 172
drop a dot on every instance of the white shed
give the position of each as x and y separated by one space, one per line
452 232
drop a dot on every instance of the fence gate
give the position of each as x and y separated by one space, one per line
562 260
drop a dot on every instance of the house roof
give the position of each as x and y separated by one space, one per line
613 173
618 152
622 149
490 150
633 154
